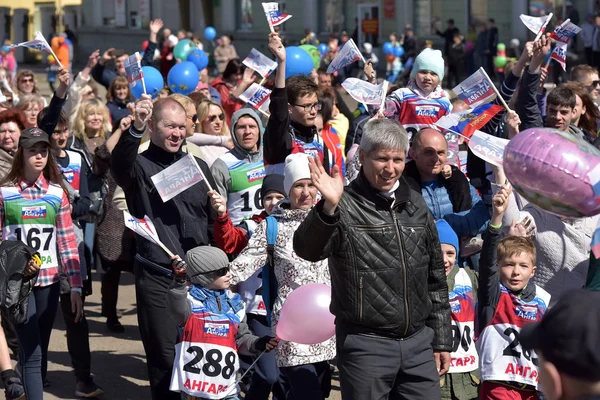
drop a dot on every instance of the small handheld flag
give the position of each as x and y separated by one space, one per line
274 17
260 63
39 43
145 228
134 72
348 54
467 122
363 91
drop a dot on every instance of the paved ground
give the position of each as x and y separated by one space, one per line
118 361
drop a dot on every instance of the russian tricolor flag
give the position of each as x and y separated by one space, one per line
273 15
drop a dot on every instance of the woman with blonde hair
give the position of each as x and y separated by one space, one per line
91 128
211 121
30 105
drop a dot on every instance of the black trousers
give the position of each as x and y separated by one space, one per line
308 381
157 329
373 367
78 340
111 276
266 377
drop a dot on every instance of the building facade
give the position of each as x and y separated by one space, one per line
123 23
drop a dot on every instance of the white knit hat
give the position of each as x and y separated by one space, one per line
430 60
296 168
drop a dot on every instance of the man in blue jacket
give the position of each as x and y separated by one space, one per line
452 198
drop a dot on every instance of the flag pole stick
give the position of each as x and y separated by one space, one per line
543 28
496 90
382 105
201 173
158 242
262 81
140 65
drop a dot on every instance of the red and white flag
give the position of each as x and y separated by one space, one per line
535 24
363 91
259 97
133 69
348 54
476 89
563 35
274 17
260 63
39 43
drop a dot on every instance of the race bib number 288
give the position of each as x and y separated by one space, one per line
205 370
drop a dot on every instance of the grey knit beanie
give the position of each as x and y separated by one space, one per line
203 260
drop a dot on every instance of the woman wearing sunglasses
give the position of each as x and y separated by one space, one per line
211 121
26 84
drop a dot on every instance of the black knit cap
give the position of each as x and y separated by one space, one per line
272 183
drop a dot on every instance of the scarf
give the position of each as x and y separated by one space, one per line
218 302
437 93
457 185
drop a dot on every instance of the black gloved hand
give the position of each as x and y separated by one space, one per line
266 343
179 267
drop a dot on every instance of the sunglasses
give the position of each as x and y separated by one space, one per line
220 272
26 80
213 118
595 84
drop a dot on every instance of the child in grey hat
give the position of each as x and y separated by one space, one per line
214 326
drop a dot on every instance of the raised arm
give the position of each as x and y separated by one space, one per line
81 80
124 154
317 237
154 27
50 120
527 106
276 135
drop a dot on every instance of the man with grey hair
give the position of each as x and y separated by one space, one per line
389 291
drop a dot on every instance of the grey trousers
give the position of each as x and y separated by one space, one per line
378 368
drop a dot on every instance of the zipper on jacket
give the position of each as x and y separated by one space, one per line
400 242
219 303
360 305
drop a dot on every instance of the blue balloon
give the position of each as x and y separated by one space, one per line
398 51
388 48
210 33
153 80
199 58
183 78
298 62
323 49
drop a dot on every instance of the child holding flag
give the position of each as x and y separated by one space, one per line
214 326
423 101
462 380
507 301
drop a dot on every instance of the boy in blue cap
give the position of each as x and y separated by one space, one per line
461 381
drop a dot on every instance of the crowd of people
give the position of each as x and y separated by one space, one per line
445 282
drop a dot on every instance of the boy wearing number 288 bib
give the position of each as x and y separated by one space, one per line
214 327
507 302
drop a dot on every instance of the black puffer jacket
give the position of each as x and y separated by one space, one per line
14 287
385 259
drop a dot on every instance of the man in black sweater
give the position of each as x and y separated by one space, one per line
182 223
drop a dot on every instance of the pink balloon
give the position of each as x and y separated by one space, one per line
551 169
305 316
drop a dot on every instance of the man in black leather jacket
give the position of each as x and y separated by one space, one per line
389 292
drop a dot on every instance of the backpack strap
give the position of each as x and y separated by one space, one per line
269 282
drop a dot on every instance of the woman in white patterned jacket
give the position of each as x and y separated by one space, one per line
305 367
